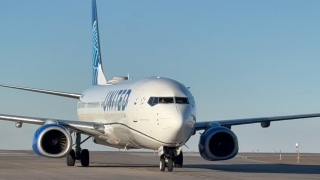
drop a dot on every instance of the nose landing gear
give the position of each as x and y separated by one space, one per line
166 162
170 157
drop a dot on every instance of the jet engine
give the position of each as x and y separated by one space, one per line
218 143
52 140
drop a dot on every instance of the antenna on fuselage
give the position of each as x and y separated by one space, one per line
129 76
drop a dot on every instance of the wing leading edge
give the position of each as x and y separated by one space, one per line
56 93
88 128
234 122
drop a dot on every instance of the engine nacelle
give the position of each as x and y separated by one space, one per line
218 143
52 140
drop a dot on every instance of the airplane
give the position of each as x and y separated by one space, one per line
155 113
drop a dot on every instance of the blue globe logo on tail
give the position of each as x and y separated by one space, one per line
96 54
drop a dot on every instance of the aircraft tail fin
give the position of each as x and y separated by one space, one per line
98 77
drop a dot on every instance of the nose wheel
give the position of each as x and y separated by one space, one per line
170 165
162 164
166 163
170 157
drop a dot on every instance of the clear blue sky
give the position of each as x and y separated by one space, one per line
240 58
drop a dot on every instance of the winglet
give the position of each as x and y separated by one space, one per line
98 77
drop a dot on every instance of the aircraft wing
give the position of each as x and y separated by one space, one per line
88 128
262 120
56 93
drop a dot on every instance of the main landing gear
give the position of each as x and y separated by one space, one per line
78 153
170 157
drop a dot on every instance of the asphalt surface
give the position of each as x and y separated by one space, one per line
132 165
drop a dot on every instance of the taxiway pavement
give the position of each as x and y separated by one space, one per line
133 165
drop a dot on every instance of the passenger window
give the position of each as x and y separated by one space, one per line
166 100
182 100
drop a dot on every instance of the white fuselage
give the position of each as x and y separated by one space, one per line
133 116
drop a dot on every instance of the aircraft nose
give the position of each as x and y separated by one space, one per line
180 128
177 124
174 131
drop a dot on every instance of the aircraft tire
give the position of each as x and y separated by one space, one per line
170 165
162 164
71 158
84 157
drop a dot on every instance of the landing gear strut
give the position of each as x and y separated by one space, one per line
170 157
78 153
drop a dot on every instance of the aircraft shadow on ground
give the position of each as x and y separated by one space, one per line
260 168
244 168
122 165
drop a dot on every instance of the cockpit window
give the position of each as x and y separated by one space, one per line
166 100
182 100
153 101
